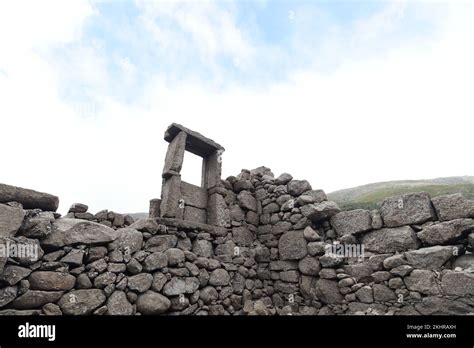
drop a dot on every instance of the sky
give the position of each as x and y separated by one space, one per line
341 93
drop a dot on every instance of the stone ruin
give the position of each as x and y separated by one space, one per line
252 244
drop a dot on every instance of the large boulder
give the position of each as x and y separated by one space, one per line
12 274
446 232
11 219
292 245
29 199
430 258
352 221
152 303
390 240
407 209
451 207
37 224
457 283
219 277
320 211
81 302
51 281
247 201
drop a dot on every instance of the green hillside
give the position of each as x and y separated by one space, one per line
369 196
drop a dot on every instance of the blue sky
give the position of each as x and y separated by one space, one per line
341 93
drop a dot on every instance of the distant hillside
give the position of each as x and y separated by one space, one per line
368 196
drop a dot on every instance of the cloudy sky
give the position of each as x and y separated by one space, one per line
341 93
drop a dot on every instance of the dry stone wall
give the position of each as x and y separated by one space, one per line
280 248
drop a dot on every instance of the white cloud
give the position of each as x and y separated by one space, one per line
403 114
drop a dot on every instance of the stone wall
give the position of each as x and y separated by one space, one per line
280 248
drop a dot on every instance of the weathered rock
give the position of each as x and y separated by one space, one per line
117 304
434 305
390 240
365 294
422 281
146 225
152 303
328 291
129 240
292 246
311 235
155 261
446 232
430 258
11 219
320 211
407 209
51 281
35 299
74 258
283 179
451 207
242 236
457 283
219 277
81 302
297 187
177 286
309 266
247 201
29 199
78 208
202 248
7 295
161 243
175 256
208 295
12 274
27 251
351 222
89 233
382 293
140 282
37 224
376 218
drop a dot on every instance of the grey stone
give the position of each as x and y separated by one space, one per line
283 179
155 261
78 208
208 294
317 196
297 187
140 282
102 281
422 281
328 291
219 277
86 232
430 258
7 295
175 155
351 222
159 280
177 286
247 201
407 209
242 236
29 199
457 283
74 257
146 225
36 224
81 302
309 266
292 246
12 274
311 235
175 256
394 261
35 299
28 251
161 243
129 240
202 248
152 303
390 240
451 207
195 214
316 248
365 294
446 232
117 304
51 281
377 221
383 293
434 305
320 211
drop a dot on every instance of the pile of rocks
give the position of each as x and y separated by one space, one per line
104 217
278 252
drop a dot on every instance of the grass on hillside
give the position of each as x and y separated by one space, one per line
373 199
